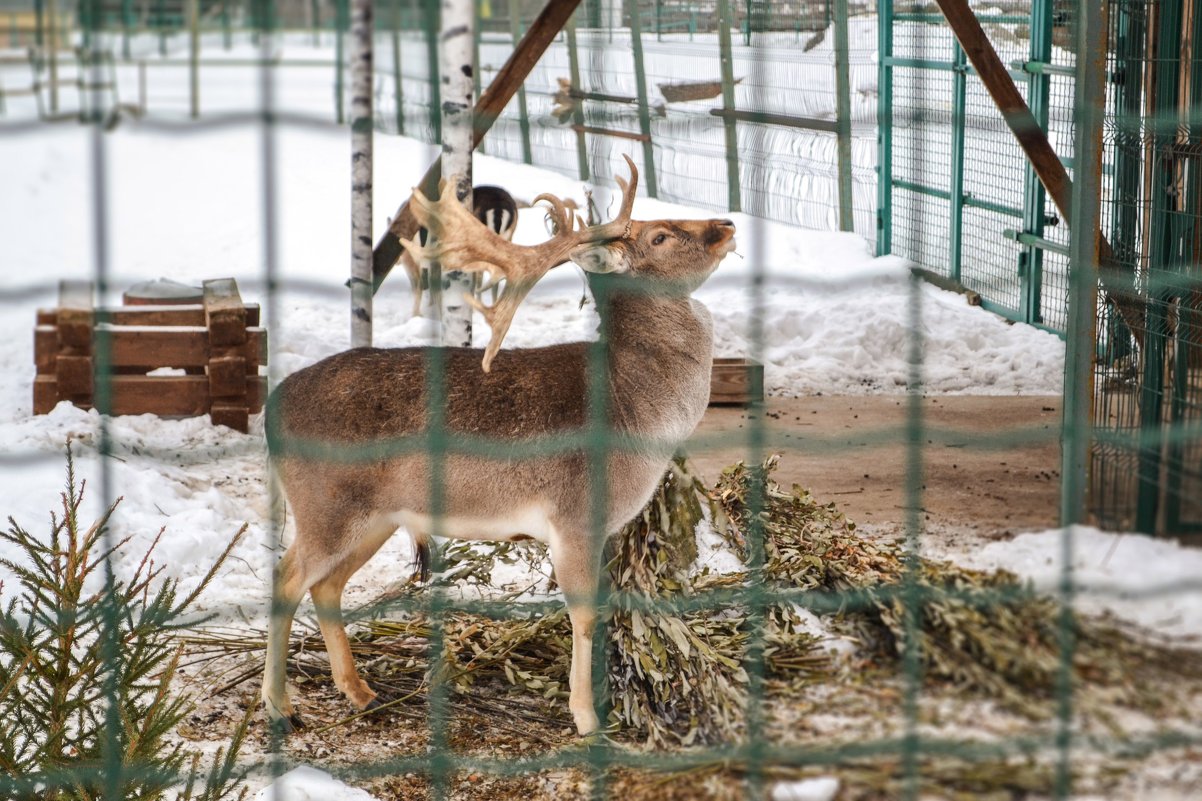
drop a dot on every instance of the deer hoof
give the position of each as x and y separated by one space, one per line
286 725
586 722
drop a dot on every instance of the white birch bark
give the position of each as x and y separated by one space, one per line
458 21
361 173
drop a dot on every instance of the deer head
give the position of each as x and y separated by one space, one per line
460 242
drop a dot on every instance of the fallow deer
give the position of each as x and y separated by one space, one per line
493 206
654 388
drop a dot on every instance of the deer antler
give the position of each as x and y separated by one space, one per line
461 242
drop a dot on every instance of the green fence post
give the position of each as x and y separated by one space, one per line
843 117
432 23
162 25
39 23
640 77
1187 330
1162 252
884 136
515 30
341 23
193 8
1030 259
955 226
577 107
227 33
315 17
127 17
397 74
726 61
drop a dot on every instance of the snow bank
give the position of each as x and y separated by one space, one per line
1153 583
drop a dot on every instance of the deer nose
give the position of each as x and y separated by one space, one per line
725 223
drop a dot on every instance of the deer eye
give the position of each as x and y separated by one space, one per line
659 240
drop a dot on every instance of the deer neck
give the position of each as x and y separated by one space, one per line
659 359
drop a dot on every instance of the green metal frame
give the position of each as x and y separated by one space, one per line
1030 258
1036 74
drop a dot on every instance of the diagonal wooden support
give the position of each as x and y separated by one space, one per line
488 108
1022 123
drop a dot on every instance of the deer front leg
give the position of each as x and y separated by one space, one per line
576 569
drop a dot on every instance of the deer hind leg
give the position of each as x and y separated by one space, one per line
327 600
288 588
576 567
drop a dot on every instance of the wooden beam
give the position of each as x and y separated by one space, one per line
488 108
1117 284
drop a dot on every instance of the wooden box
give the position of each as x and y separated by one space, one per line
736 382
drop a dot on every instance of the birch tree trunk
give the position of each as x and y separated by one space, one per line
458 22
361 172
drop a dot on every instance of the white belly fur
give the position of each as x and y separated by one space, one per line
531 522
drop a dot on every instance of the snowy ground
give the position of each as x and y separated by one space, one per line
189 206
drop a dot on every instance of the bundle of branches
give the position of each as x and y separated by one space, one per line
982 631
679 678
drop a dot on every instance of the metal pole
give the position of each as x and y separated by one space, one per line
734 201
515 30
955 234
458 21
577 112
640 75
397 75
431 19
194 56
1084 255
1034 197
52 47
341 23
361 173
884 136
843 117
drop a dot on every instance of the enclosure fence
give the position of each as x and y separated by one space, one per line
955 195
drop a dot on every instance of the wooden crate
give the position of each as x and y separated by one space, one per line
218 343
736 381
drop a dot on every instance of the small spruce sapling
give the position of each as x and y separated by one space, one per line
86 667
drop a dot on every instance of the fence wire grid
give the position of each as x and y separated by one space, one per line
935 176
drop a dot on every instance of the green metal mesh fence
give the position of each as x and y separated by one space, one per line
958 199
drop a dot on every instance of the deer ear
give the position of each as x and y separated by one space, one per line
600 259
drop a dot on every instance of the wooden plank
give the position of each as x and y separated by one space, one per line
1034 142
225 315
736 381
492 102
784 120
45 348
153 346
231 415
74 377
166 396
189 314
255 349
157 345
227 377
75 315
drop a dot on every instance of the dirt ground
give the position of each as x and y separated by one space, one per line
989 464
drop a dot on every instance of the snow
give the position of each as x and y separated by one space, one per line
309 784
1152 583
820 789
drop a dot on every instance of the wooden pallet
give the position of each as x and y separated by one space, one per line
217 343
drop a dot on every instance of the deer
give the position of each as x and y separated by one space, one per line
657 343
494 207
